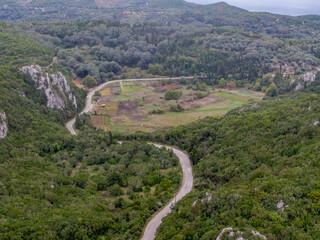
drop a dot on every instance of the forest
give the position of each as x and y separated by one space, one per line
247 162
255 169
55 186
60 187
107 50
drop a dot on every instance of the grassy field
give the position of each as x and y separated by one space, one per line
105 92
121 88
119 98
132 87
142 106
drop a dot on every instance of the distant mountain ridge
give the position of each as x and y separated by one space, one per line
166 12
58 10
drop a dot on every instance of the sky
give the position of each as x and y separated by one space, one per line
288 7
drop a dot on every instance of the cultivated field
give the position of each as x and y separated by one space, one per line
105 92
141 106
100 122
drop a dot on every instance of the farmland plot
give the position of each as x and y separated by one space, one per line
141 106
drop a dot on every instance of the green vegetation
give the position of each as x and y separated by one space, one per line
57 186
149 111
177 13
121 88
129 88
60 191
248 162
17 50
120 98
231 97
172 95
89 81
227 56
256 168
176 108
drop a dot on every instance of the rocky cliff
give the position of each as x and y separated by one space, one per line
55 86
303 80
3 125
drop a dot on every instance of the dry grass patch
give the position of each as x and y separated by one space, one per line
105 92
106 108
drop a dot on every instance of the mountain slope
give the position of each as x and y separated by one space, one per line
56 186
177 12
18 87
256 169
19 51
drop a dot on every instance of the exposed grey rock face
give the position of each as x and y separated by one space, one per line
280 204
3 125
255 233
237 235
55 86
306 78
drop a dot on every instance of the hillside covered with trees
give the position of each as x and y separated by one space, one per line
56 186
108 50
255 169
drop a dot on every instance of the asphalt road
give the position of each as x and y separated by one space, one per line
187 181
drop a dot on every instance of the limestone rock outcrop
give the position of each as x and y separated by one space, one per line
55 86
304 79
3 125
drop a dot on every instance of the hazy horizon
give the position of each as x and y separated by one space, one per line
289 7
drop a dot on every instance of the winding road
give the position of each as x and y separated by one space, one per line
187 181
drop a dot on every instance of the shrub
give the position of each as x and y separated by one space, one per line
172 95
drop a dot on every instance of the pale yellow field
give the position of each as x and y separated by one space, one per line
105 92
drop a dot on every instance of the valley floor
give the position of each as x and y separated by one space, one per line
141 106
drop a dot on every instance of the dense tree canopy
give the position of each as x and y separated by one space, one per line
256 169
246 164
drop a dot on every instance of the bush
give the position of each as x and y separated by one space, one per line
89 81
201 94
176 108
172 95
115 190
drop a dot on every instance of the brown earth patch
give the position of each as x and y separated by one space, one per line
139 94
138 118
99 122
115 90
194 104
149 99
104 99
78 83
149 126
126 107
169 86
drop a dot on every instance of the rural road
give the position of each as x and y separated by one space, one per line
187 181
89 105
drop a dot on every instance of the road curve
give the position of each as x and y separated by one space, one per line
89 105
187 181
